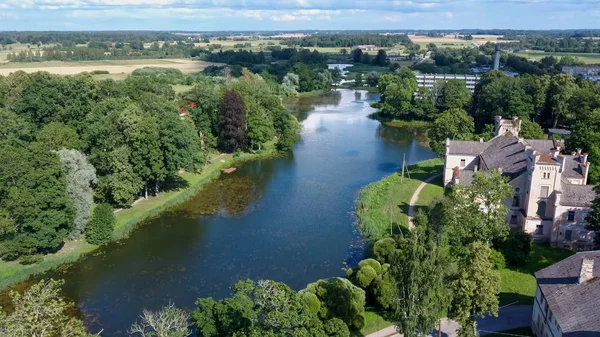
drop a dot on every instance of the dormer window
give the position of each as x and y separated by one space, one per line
463 163
571 216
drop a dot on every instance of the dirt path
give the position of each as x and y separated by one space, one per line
415 198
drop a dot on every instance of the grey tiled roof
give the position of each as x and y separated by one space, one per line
467 147
543 146
577 195
574 305
507 153
573 167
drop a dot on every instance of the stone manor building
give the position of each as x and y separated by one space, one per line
550 198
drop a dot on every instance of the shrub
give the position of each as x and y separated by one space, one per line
497 259
31 259
516 247
99 72
335 327
312 301
384 249
366 274
372 263
385 291
101 226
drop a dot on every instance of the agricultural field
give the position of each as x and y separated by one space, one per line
116 68
256 45
448 41
587 58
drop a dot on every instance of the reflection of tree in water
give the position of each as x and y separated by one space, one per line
404 136
357 95
231 194
301 105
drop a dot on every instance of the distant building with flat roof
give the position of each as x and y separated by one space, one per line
365 47
430 80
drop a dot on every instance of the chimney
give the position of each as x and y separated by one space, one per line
578 151
475 168
583 157
587 270
456 177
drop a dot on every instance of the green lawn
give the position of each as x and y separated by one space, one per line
518 283
373 322
587 58
408 124
12 272
387 200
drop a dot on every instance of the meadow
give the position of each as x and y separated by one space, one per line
587 58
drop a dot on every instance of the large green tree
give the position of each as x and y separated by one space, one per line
454 95
560 90
453 124
232 124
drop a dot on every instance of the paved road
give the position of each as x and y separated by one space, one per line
511 317
415 198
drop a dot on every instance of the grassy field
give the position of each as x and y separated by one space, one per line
518 283
587 58
12 272
387 200
114 67
373 322
448 41
410 124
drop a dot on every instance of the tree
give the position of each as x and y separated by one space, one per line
560 90
454 124
120 184
593 218
419 269
336 75
358 80
40 311
233 122
290 84
381 58
475 289
478 211
373 79
454 95
169 321
516 247
531 130
340 299
56 136
265 308
357 55
323 81
260 124
101 226
586 136
80 176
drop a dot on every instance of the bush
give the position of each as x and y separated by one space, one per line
516 247
372 263
100 228
99 72
312 301
384 249
31 259
366 274
497 259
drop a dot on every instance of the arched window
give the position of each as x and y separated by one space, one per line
541 211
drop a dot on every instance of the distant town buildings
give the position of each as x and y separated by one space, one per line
587 72
430 80
566 299
551 198
365 47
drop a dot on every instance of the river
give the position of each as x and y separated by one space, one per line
289 219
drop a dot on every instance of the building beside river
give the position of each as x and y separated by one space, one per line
430 80
551 198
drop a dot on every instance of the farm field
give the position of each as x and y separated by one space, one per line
448 41
587 58
114 67
16 48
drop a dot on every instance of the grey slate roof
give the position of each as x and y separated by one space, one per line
507 153
577 195
573 167
543 146
574 305
467 147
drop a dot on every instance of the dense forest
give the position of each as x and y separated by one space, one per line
67 143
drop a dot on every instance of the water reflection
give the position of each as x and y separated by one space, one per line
404 136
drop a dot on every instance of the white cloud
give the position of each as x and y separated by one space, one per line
290 17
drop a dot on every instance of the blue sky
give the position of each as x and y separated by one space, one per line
200 15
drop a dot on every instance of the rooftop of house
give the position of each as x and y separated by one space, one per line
577 195
572 299
574 167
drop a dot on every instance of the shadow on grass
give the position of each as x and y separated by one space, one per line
174 184
515 299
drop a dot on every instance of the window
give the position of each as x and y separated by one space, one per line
539 230
544 191
568 234
513 219
516 201
463 162
541 211
571 216
546 175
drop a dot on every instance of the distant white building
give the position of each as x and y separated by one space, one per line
551 198
430 80
365 47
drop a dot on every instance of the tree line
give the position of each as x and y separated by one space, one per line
67 143
348 40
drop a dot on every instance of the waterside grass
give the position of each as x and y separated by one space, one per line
383 205
11 272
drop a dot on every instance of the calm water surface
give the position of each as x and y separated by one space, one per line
288 219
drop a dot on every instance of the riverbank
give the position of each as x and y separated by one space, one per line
408 124
126 220
385 203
